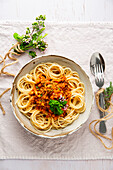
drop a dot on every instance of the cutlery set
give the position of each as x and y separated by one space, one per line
97 67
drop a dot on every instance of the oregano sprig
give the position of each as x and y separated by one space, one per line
107 94
33 39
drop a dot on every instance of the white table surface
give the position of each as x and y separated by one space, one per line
57 10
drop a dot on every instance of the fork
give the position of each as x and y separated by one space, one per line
99 80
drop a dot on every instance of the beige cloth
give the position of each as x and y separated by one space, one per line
78 41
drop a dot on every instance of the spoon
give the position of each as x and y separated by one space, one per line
97 59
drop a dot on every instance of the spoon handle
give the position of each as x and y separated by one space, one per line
102 126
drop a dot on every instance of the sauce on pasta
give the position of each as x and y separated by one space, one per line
51 96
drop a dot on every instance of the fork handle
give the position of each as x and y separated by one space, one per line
102 126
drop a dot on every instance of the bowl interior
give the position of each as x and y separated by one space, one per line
88 96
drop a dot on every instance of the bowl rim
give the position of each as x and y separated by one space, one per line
14 109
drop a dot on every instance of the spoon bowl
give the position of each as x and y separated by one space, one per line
96 58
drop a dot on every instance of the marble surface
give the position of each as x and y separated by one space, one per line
57 10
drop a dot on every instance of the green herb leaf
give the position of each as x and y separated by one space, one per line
32 53
64 102
28 30
107 94
56 106
45 35
18 37
41 30
37 87
43 17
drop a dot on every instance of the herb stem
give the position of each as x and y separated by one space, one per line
33 39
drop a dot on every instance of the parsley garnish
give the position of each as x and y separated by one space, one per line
107 94
33 39
32 53
37 87
56 106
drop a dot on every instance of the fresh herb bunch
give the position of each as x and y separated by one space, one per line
107 94
33 39
56 106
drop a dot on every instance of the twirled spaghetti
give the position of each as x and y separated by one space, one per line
51 96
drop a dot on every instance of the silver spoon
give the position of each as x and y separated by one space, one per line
97 59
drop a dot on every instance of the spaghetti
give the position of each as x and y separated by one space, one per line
51 96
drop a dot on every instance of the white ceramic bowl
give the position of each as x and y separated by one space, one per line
88 96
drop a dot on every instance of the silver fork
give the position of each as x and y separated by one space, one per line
99 80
